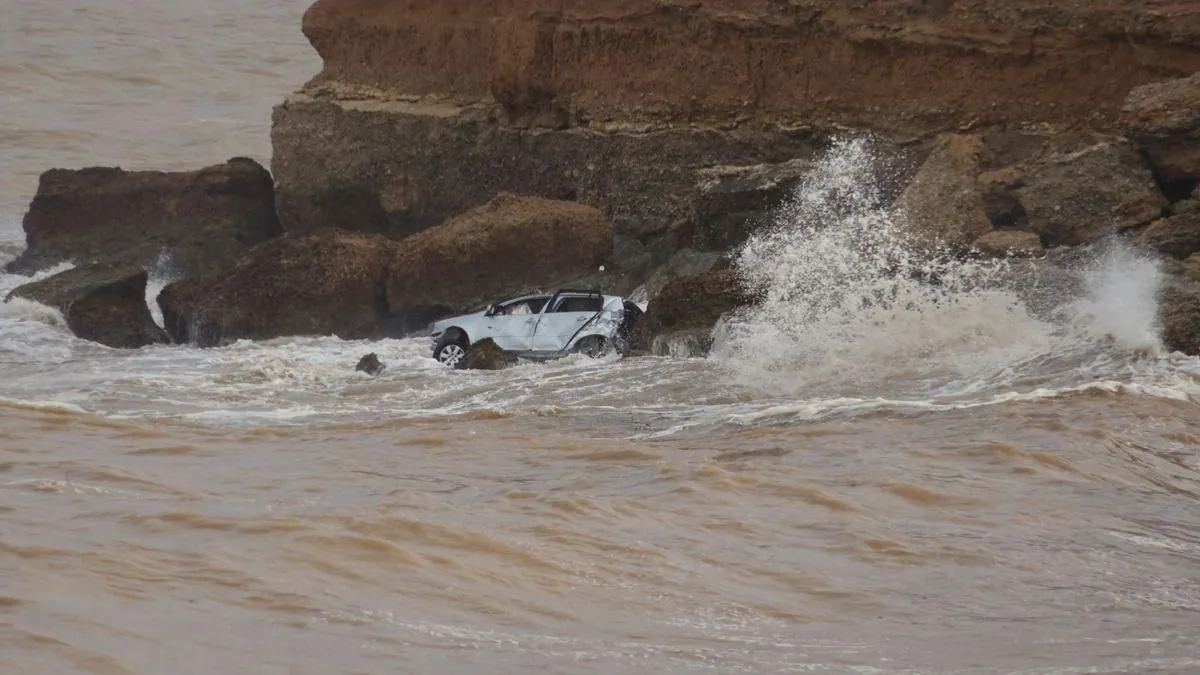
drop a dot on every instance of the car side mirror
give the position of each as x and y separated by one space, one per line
492 310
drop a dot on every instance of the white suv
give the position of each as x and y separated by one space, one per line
540 326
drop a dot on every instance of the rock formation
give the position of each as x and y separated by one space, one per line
621 104
101 302
370 364
322 283
198 218
507 246
1164 119
688 305
486 355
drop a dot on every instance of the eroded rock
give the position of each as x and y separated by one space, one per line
1163 118
370 364
1179 315
198 218
1078 197
322 283
101 302
690 304
733 202
509 245
944 203
486 355
1177 236
1001 243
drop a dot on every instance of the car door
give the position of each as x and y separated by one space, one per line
513 327
563 319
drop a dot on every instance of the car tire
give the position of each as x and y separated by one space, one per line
591 346
450 350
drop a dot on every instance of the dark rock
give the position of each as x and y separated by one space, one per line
510 245
1078 197
198 218
944 203
322 283
1177 236
684 263
692 303
101 302
1001 243
370 364
733 202
1179 315
1163 119
643 182
486 355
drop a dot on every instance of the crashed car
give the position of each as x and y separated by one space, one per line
541 326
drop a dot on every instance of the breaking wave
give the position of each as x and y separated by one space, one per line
853 302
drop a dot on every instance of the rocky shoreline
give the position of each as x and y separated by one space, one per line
456 154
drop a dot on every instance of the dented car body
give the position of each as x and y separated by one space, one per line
541 326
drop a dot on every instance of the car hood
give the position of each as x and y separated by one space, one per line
443 324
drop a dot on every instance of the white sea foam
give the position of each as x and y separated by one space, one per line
854 305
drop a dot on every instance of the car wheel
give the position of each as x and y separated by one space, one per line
450 351
591 346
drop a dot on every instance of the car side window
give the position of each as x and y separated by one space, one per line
525 307
587 303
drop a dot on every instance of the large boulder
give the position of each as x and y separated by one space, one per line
510 245
321 283
732 202
1179 315
101 302
1163 118
690 307
1177 236
198 218
1073 198
944 202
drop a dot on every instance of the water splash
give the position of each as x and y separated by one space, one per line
852 302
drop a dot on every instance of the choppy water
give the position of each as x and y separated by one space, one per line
869 475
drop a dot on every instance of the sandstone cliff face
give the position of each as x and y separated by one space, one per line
887 63
428 108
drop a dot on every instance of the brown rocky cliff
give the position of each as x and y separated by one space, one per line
902 65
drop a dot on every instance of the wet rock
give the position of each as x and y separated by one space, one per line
1163 119
685 263
1191 267
101 302
1177 236
199 219
321 283
690 304
735 201
683 344
1179 315
486 355
509 245
944 203
1078 197
1001 243
370 364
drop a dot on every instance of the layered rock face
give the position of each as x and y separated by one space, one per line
427 108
